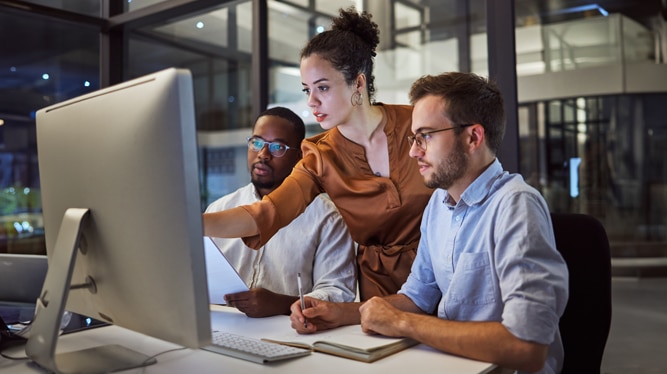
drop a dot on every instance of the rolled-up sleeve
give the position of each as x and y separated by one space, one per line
334 268
532 275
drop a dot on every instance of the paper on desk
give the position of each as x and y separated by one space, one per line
222 277
350 336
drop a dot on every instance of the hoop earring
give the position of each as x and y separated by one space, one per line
357 99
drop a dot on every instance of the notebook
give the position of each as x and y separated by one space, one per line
222 277
346 341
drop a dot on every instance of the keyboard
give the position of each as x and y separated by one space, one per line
251 349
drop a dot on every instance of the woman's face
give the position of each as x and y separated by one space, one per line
329 96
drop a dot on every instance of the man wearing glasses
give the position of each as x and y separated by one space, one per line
487 263
317 244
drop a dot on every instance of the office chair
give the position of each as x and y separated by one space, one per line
584 326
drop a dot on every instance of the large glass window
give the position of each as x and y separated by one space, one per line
590 88
43 62
84 7
601 157
216 47
588 127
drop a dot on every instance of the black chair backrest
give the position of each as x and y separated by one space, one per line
582 241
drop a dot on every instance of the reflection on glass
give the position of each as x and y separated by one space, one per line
86 7
332 7
52 61
619 136
131 5
210 29
582 43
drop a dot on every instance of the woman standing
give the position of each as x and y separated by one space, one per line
361 161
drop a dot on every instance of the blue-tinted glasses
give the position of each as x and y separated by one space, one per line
277 149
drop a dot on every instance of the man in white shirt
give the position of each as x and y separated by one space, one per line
317 244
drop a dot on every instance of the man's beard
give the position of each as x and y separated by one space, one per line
264 185
453 168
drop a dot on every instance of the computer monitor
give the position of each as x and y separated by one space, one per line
21 280
122 219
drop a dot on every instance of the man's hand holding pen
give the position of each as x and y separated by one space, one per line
319 314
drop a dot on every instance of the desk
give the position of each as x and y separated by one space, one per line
421 359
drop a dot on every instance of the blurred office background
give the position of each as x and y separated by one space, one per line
586 84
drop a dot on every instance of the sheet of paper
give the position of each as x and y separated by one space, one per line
350 335
222 277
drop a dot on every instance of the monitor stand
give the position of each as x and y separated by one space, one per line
41 345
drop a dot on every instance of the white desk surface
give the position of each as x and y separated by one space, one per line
420 358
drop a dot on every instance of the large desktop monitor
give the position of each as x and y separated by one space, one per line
122 218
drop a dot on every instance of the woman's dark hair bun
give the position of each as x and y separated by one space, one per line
359 24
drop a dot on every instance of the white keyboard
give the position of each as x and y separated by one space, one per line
251 349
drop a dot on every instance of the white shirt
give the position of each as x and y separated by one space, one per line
316 244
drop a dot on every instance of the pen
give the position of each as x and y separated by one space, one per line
303 303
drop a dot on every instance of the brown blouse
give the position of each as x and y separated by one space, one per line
382 214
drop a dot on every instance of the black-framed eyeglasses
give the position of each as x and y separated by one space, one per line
421 138
277 149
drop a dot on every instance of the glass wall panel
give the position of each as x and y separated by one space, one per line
602 158
131 5
599 151
243 24
582 43
301 3
562 127
209 29
43 62
408 26
85 7
289 30
216 47
415 39
331 7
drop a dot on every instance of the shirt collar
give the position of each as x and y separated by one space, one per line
480 187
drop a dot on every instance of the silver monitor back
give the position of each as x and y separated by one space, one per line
128 155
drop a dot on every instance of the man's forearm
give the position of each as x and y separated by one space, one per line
485 341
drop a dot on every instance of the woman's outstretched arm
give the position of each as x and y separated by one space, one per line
230 223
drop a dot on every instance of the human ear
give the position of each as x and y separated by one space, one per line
477 135
360 81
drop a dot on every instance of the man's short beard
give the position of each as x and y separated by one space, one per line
263 185
453 168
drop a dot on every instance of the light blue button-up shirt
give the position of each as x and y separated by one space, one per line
492 257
